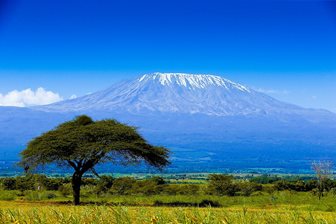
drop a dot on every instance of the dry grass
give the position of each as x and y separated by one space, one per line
28 212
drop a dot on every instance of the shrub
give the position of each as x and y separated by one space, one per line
295 186
222 185
269 189
53 184
190 189
104 184
9 184
49 195
145 187
265 179
333 191
247 188
123 185
65 190
157 180
31 182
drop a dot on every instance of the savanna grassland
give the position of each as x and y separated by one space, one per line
220 199
255 209
19 212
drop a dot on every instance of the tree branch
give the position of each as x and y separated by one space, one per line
73 165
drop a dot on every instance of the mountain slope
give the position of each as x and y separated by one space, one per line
184 104
181 93
206 121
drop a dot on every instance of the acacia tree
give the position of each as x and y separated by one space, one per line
83 143
323 172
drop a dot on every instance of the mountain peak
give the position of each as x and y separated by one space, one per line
192 81
177 93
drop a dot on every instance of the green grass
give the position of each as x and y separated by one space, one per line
262 207
304 201
18 212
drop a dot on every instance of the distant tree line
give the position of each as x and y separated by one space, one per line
218 184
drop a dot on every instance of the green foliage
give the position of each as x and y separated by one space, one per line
146 187
9 183
83 143
333 191
53 184
7 195
265 179
217 185
181 189
104 184
89 181
153 186
220 184
246 188
295 186
65 189
32 182
157 180
123 185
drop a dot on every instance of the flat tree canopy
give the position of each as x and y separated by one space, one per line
83 143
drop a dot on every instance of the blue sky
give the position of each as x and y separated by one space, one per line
284 48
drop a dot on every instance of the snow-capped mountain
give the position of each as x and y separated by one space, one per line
203 119
179 93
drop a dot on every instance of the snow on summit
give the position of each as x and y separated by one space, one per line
177 93
192 81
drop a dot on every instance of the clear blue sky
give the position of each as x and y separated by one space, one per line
285 48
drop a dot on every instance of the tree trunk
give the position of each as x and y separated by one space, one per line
76 184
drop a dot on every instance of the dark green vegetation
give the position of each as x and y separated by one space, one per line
156 191
219 199
83 143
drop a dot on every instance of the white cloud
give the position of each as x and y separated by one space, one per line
72 97
29 97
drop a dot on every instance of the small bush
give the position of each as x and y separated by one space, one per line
220 184
247 188
333 191
123 185
104 184
65 190
9 184
49 195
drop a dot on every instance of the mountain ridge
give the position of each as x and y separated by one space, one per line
180 93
